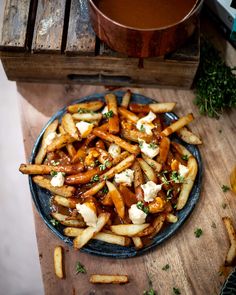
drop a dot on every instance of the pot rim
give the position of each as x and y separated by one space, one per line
195 7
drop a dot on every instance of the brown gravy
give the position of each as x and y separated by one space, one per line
145 14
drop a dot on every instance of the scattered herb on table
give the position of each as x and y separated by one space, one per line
213 225
176 291
224 205
166 267
225 188
215 84
80 268
198 232
149 292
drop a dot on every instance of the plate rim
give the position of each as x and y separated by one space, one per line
132 252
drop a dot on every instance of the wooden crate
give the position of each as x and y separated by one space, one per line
52 41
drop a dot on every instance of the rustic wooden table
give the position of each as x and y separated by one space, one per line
194 262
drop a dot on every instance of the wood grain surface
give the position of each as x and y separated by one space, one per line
81 38
194 262
14 27
49 26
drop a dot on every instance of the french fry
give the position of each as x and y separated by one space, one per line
120 158
69 126
133 149
94 189
135 135
126 163
66 202
101 236
113 121
162 107
154 164
83 177
107 201
65 190
181 149
231 254
70 148
109 279
186 135
157 205
43 149
157 224
89 106
58 262
138 181
116 199
171 218
47 169
177 125
90 231
138 244
139 108
63 219
126 99
148 171
129 230
128 114
164 149
88 117
60 142
188 183
128 196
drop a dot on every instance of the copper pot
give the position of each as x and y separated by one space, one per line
143 42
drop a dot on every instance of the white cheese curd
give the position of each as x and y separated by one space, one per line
183 170
105 110
150 190
84 128
58 180
145 123
149 149
50 137
125 177
114 150
136 215
88 214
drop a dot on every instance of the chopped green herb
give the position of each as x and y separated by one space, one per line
169 193
198 232
141 143
225 188
105 177
213 225
176 291
166 267
149 292
152 145
105 190
53 173
80 268
224 205
176 177
95 178
142 128
141 206
185 157
108 114
54 222
54 163
175 206
103 167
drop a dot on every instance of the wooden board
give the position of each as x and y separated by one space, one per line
49 26
194 262
81 38
14 28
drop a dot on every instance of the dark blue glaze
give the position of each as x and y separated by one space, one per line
41 196
229 287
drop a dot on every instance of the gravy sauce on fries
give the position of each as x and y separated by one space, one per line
127 197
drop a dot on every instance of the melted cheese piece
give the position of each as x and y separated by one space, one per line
136 215
84 128
88 212
150 190
145 123
58 180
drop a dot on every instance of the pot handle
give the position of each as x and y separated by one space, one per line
99 78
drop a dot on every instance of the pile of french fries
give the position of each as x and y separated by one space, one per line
89 170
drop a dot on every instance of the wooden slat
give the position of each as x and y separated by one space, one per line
14 28
81 38
48 32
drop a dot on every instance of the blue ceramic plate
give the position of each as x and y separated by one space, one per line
229 287
41 196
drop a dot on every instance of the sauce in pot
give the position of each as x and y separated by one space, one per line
145 14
